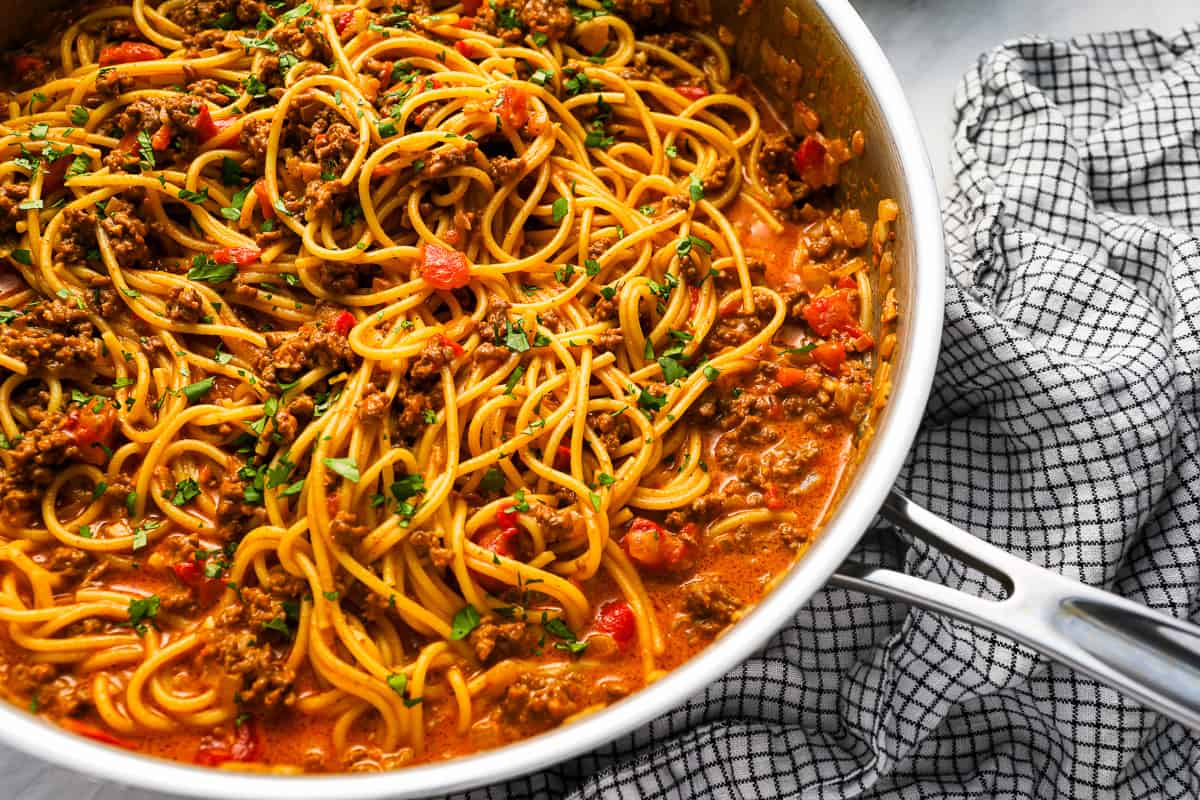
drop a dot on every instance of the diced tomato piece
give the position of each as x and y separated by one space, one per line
791 377
501 541
444 269
832 312
248 744
471 7
464 47
264 198
207 127
692 92
24 64
694 296
246 747
773 499
513 106
342 323
616 619
191 574
653 546
188 573
242 256
507 517
161 139
342 20
847 282
56 174
810 154
92 431
562 457
128 52
94 732
466 23
128 142
453 345
830 355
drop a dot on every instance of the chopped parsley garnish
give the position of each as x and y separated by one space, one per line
302 10
205 269
672 370
465 621
346 467
142 612
199 198
79 115
559 209
558 628
513 378
254 87
695 189
492 481
279 625
684 248
145 151
515 338
711 373
650 402
197 390
186 491
398 683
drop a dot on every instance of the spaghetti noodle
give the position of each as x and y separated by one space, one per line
382 383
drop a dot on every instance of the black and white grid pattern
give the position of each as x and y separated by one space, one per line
1062 427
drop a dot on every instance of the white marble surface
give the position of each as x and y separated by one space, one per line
930 44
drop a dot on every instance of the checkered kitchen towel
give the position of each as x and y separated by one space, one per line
1062 427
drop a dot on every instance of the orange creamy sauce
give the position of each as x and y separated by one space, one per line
748 561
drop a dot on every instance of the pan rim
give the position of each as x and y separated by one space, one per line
877 472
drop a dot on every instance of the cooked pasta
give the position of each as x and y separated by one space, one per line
382 383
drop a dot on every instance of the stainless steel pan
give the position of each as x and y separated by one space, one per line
846 78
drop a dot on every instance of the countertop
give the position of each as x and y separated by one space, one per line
930 44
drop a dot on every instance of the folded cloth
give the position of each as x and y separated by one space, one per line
1062 427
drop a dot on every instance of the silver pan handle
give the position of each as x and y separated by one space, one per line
1143 653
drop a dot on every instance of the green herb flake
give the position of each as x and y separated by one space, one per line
197 390
142 612
346 467
465 621
559 209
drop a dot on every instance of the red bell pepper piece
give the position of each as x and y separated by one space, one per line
342 323
161 139
94 732
129 52
92 431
